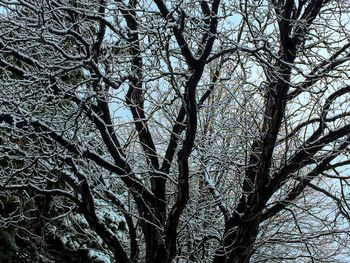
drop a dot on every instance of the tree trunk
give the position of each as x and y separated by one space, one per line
156 250
239 239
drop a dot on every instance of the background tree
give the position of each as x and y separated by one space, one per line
208 131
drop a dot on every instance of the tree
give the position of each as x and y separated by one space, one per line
217 130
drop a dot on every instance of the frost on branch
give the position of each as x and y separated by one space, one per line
174 131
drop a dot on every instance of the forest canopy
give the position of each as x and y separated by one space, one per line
162 131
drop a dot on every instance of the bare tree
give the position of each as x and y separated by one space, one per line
217 130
